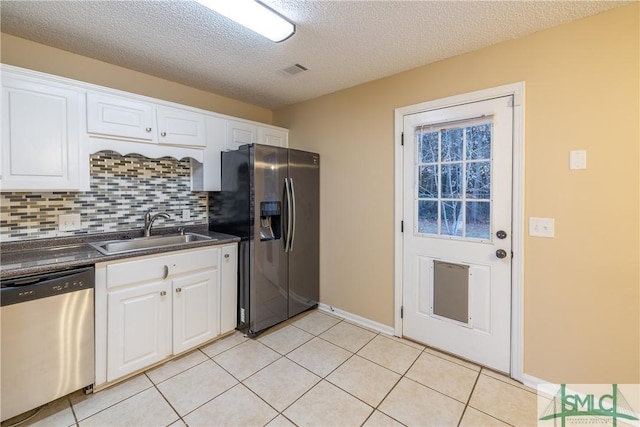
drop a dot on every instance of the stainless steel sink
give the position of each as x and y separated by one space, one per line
111 247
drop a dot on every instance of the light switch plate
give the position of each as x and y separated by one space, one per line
578 159
541 227
69 222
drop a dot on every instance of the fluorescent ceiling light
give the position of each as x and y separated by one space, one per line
255 16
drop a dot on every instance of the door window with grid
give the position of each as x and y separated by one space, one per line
453 195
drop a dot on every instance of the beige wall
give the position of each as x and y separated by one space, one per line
581 289
34 56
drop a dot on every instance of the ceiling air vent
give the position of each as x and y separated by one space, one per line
293 70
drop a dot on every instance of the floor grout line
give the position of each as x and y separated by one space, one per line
469 398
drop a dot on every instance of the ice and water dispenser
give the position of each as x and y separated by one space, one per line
270 224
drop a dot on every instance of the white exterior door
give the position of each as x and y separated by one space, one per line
457 230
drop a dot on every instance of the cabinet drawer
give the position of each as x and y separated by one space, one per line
161 267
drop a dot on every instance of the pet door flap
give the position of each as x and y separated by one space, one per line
451 291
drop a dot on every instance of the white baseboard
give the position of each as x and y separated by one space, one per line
358 320
534 382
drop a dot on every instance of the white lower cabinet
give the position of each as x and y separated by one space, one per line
139 318
195 309
151 308
229 288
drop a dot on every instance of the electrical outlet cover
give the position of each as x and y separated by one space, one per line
69 222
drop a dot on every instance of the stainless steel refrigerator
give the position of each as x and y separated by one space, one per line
270 199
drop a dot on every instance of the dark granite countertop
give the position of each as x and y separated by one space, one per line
43 255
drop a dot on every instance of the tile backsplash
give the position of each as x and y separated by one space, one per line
122 189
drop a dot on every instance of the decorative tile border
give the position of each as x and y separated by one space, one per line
122 188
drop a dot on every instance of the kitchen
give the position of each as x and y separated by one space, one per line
357 241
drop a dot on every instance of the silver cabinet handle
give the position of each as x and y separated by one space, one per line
163 134
178 289
226 255
163 293
166 272
148 129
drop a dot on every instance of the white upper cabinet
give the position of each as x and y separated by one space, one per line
127 118
205 175
240 133
180 127
118 116
271 136
50 126
40 147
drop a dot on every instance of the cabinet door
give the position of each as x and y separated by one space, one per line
195 309
40 136
206 176
240 133
139 328
180 127
118 116
274 137
229 288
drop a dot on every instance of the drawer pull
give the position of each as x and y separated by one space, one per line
166 272
178 289
163 293
226 255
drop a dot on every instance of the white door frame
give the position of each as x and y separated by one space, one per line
517 266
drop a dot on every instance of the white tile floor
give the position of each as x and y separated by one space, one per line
315 370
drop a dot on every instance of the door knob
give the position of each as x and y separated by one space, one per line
501 234
501 253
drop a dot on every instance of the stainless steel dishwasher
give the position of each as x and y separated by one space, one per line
47 341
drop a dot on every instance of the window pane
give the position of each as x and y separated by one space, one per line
428 147
452 144
427 217
451 217
451 181
428 181
479 142
479 180
478 220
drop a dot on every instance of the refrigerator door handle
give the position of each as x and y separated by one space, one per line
287 240
293 216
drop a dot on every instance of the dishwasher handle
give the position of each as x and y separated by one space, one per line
45 285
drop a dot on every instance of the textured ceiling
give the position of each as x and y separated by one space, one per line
342 43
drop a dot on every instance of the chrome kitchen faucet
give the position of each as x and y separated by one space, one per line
149 219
